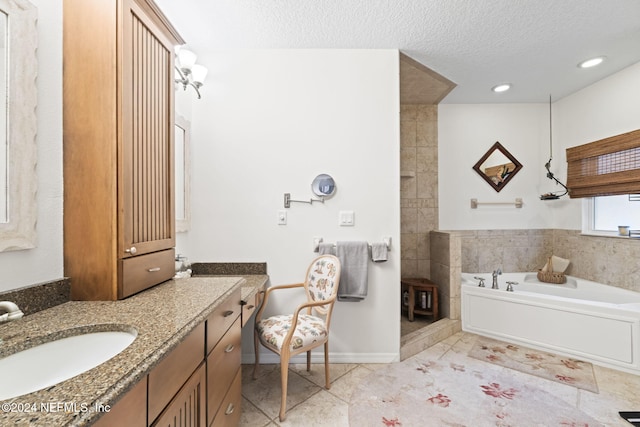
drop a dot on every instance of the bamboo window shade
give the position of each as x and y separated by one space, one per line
606 167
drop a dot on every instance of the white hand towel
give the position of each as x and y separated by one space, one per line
353 257
379 252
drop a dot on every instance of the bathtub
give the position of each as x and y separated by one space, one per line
581 319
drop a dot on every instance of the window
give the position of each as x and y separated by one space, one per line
604 214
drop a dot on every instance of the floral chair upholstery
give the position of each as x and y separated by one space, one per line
308 327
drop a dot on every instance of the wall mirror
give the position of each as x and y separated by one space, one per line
323 185
18 124
183 174
497 166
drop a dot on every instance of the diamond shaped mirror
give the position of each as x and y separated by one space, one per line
497 166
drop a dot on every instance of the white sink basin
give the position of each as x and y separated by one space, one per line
48 364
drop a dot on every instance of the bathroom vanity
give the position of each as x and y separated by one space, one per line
184 361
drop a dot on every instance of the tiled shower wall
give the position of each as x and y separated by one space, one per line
608 260
419 187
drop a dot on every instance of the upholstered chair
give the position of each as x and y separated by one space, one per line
308 327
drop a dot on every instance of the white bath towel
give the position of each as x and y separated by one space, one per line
353 257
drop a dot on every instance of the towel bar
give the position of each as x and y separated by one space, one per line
475 203
318 240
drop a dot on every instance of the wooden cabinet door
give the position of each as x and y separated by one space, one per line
146 152
187 409
130 410
168 376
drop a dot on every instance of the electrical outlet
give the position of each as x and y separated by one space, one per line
282 217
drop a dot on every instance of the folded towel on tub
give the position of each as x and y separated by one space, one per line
353 258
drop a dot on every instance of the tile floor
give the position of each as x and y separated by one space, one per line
309 404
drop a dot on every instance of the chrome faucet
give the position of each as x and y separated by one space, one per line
510 286
12 312
495 275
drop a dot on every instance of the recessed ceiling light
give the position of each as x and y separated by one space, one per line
591 62
501 87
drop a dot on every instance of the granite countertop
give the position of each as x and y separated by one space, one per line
162 317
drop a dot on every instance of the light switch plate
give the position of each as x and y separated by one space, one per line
346 219
282 217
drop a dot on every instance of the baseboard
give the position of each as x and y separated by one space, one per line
318 357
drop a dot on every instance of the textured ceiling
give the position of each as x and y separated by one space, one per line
533 44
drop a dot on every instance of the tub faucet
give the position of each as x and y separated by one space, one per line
12 312
495 275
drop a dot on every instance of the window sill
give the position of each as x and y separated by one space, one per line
607 234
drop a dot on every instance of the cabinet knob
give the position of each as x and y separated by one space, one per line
230 409
132 250
227 313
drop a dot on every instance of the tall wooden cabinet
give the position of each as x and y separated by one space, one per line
119 220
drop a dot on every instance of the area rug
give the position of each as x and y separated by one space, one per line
426 392
565 370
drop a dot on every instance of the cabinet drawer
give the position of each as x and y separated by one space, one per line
222 318
187 408
222 365
231 408
143 271
249 308
171 373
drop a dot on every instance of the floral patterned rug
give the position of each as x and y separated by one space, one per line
457 391
552 367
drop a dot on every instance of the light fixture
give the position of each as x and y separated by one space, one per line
501 87
188 73
591 62
547 166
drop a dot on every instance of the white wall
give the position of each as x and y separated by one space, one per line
269 121
606 108
465 133
45 262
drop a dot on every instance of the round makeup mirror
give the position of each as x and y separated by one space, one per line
323 186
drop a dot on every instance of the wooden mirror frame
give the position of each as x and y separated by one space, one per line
498 182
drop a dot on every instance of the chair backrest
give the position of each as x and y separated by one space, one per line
322 281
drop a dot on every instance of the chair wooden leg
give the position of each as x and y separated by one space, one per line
256 346
326 365
284 378
308 360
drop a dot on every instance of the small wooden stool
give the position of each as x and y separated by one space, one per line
415 306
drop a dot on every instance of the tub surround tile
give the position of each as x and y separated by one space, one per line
32 299
162 316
